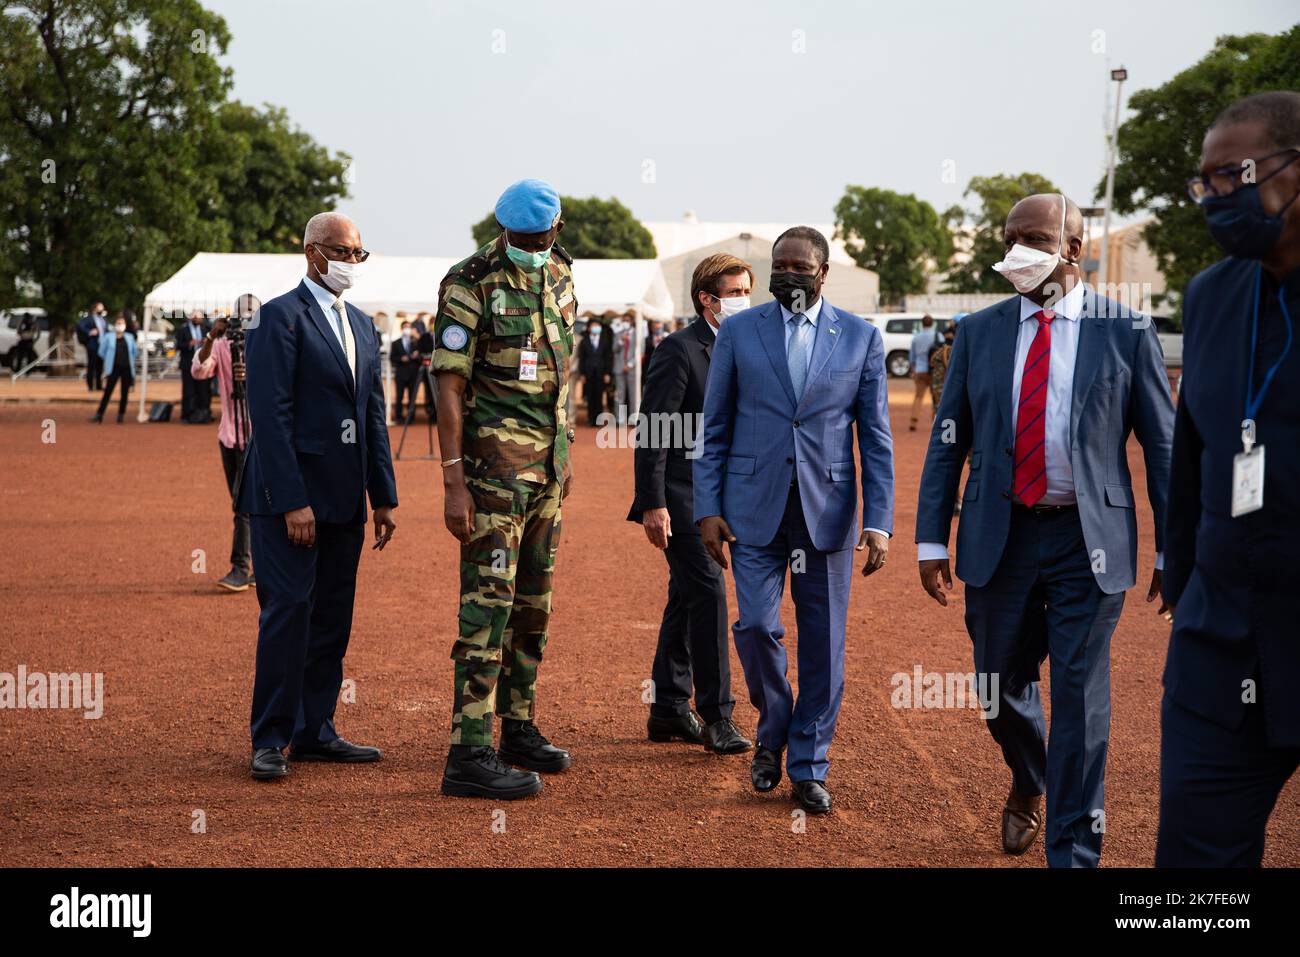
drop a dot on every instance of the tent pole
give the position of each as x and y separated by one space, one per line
143 416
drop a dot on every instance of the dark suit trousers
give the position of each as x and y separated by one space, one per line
693 640
1044 601
94 366
306 596
407 381
1217 788
241 548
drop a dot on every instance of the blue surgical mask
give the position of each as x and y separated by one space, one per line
530 262
1239 224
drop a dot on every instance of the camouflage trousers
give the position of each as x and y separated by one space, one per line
505 604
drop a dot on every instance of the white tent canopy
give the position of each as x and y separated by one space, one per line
622 284
212 282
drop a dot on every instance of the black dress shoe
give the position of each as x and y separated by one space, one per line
477 772
269 763
812 796
765 771
338 750
723 737
524 745
684 727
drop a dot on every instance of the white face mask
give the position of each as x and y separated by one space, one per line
120 327
730 305
1027 268
340 275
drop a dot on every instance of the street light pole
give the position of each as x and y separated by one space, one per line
1103 269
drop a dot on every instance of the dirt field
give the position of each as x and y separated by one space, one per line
98 577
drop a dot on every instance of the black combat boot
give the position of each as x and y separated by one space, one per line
476 771
524 745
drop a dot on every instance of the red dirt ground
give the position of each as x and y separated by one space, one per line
102 525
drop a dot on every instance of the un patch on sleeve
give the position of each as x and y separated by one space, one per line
454 338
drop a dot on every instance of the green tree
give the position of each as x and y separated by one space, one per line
1160 144
895 234
996 195
277 178
120 156
594 228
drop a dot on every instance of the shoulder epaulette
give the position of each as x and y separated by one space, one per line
562 253
474 268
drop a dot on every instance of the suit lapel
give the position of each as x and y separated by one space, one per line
1087 360
322 323
824 343
771 333
706 337
362 332
1006 329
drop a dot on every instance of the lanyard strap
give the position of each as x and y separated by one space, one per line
1253 402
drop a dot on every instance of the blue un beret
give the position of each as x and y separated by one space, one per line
528 206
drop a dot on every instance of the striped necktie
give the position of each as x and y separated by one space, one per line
1030 474
339 314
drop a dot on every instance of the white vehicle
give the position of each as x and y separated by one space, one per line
897 329
161 345
1171 341
9 319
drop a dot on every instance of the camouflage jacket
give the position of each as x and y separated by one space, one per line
489 313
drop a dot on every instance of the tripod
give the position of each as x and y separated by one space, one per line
238 406
432 393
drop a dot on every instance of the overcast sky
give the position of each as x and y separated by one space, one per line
741 110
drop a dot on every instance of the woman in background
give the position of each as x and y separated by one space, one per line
118 353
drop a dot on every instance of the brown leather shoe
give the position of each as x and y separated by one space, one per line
1022 819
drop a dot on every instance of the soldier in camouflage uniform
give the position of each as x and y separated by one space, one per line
504 340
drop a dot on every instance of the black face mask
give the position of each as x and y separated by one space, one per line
793 289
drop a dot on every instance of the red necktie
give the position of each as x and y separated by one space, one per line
1030 474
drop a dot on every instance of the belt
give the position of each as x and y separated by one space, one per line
1046 509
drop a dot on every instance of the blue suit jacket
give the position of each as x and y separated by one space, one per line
1231 578
318 440
756 437
108 349
1120 386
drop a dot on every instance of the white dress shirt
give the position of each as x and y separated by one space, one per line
813 312
326 300
1060 396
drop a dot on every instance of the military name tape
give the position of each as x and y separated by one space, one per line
455 337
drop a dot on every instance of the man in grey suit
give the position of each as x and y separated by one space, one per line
1043 390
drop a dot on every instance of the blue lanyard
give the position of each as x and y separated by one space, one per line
1254 402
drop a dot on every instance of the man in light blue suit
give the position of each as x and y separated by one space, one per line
1043 390
775 478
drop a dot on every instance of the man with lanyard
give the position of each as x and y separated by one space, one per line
1230 728
504 334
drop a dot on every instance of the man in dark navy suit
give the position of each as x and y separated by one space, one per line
319 447
1043 390
1230 726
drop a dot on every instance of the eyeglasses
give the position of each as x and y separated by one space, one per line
1225 180
343 252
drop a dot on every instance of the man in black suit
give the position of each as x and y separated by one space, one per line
404 355
91 331
693 639
595 358
1230 727
196 394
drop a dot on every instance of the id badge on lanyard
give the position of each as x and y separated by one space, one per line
1248 464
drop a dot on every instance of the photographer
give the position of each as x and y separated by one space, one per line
215 358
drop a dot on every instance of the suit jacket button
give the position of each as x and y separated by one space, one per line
1006 494
789 461
1009 451
797 423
